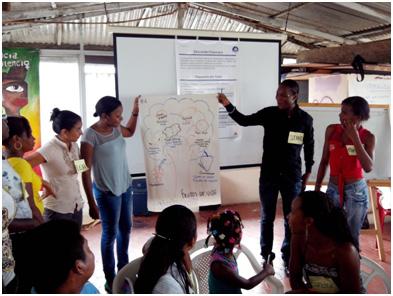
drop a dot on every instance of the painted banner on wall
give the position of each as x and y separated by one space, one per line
21 93
180 141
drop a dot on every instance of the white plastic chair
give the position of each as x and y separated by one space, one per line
370 270
126 277
200 257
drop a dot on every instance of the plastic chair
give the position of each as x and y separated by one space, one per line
126 277
370 270
200 257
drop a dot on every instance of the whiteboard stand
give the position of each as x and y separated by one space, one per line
372 186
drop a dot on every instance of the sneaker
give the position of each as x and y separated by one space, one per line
286 268
108 288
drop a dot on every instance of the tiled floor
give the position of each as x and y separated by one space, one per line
144 226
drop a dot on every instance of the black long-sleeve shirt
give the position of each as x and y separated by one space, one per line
279 156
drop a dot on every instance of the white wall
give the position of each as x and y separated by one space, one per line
240 185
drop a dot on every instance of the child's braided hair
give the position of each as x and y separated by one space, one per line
226 228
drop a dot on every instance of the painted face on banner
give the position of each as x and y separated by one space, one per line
15 94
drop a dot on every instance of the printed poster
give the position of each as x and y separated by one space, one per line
210 67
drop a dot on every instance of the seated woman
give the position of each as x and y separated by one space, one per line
323 251
166 267
62 261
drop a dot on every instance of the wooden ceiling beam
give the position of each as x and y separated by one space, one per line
181 13
369 32
296 6
259 26
55 46
74 17
6 6
59 34
372 52
10 16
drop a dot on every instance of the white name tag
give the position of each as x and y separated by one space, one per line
80 166
295 138
351 150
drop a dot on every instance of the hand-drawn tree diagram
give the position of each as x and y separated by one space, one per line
180 143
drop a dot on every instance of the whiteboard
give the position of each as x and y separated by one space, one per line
378 124
146 65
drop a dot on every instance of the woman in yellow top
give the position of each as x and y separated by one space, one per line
20 141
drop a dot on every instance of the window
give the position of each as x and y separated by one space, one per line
60 87
99 81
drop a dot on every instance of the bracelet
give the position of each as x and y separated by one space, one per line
233 110
133 114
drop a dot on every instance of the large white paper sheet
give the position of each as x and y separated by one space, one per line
179 135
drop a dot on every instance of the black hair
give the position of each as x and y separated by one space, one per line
53 249
329 219
17 125
63 120
226 228
106 105
292 85
176 227
359 107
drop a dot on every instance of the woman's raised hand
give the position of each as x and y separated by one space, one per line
135 109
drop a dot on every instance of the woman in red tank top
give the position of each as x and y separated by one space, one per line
349 149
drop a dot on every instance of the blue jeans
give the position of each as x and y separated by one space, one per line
116 219
76 216
355 204
269 187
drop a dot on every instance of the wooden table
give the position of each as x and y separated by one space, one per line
372 185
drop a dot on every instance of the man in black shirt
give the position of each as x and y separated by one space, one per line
287 130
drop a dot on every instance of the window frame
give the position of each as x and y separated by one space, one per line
83 57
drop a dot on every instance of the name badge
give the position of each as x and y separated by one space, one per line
295 138
351 150
80 166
